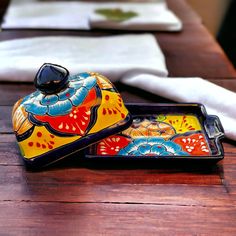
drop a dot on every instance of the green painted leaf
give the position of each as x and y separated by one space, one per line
160 118
116 14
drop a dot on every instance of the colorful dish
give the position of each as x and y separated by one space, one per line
164 131
66 114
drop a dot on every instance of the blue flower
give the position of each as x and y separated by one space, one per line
62 102
152 146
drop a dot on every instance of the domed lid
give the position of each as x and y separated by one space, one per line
66 114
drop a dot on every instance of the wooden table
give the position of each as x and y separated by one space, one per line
74 198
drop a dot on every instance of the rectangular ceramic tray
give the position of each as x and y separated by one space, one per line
164 132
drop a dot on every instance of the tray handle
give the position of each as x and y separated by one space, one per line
213 127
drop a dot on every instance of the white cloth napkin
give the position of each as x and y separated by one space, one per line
46 15
150 16
113 56
217 100
81 15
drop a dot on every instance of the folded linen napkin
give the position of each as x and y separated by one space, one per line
47 15
113 56
82 15
135 16
217 100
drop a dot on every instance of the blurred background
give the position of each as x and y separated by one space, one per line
219 16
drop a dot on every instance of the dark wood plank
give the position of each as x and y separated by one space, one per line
20 188
114 219
5 120
153 186
12 92
188 53
75 168
9 151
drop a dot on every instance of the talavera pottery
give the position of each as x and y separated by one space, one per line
164 132
66 114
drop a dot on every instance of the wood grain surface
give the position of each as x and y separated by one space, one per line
75 197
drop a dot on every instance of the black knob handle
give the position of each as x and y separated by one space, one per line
51 78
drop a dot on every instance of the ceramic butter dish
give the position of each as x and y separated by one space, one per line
164 132
66 114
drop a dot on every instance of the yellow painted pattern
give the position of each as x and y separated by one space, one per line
42 141
110 112
183 123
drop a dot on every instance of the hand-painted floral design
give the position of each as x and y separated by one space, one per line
60 103
194 144
68 111
112 145
152 146
147 127
76 122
